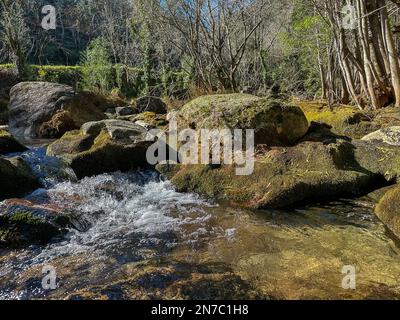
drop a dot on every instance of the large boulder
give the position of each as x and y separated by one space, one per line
104 146
388 210
274 122
16 178
8 144
390 135
34 103
285 176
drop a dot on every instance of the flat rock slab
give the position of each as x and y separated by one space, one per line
390 135
117 129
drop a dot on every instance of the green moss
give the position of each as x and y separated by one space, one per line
274 122
316 111
286 176
388 210
90 156
151 118
24 228
344 120
101 140
4 133
7 66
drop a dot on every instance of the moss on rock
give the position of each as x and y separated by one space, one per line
16 178
8 144
344 120
274 122
90 155
283 177
388 210
24 228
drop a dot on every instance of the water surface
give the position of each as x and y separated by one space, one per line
140 239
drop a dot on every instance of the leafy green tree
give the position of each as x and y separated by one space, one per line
97 70
307 42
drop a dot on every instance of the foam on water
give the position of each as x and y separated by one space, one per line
124 210
49 170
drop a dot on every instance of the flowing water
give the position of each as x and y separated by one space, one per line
137 238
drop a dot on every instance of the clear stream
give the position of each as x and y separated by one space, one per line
140 239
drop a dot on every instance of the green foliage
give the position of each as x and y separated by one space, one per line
70 75
97 69
304 47
128 80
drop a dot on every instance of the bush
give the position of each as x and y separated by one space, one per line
128 80
69 75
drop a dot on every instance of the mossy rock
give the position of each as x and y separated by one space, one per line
344 120
151 119
35 103
286 176
8 144
388 210
274 122
16 178
89 155
24 228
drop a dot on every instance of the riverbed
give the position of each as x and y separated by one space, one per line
140 239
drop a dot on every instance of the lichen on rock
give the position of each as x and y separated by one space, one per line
274 122
108 146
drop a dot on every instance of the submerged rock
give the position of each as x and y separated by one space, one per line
101 147
8 144
16 178
390 135
388 210
274 122
178 281
34 103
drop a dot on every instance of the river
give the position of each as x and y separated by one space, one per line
140 239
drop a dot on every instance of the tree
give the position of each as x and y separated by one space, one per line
14 34
96 67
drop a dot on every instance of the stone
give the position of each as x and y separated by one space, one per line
388 210
34 103
107 146
8 144
16 178
286 176
124 111
151 104
59 124
274 122
390 135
